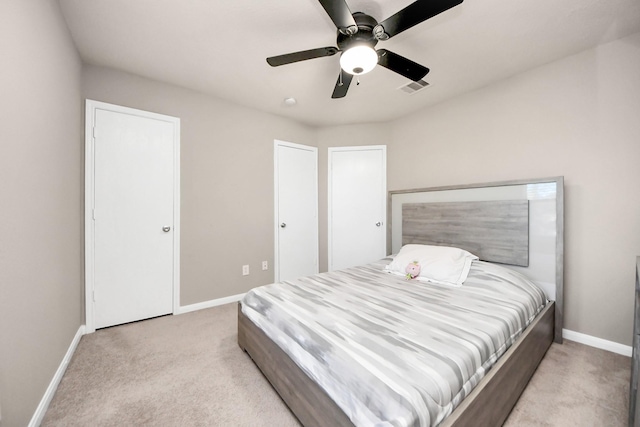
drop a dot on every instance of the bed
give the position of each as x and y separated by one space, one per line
337 387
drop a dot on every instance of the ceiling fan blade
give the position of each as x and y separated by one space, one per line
340 14
415 13
401 65
303 55
342 85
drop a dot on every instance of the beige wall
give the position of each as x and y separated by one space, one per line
40 186
577 117
227 179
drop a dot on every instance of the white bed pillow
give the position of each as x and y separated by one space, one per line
439 264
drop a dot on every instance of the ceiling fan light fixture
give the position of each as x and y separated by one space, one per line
358 60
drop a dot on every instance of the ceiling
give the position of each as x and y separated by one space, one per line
219 48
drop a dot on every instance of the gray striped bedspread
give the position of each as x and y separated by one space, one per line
392 352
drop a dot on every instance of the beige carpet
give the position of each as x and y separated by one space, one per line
187 370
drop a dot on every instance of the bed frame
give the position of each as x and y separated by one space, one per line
489 404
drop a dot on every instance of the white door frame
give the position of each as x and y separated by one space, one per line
329 195
276 225
89 229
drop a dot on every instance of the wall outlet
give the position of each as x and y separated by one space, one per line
265 265
245 270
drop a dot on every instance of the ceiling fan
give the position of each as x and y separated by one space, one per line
358 34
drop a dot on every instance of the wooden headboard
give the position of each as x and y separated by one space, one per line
495 231
516 223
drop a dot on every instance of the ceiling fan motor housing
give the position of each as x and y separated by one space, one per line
364 35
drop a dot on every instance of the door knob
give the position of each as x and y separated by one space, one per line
283 225
378 224
166 228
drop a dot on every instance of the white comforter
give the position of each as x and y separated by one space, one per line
392 352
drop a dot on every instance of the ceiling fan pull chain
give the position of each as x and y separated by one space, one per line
340 75
358 81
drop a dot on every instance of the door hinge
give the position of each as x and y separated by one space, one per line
93 214
93 133
93 295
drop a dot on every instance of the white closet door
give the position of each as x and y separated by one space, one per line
133 212
357 205
296 213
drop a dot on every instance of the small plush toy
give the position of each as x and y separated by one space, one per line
412 270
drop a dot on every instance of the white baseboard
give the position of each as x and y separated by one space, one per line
208 304
53 385
589 340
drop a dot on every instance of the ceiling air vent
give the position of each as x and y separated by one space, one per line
414 87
